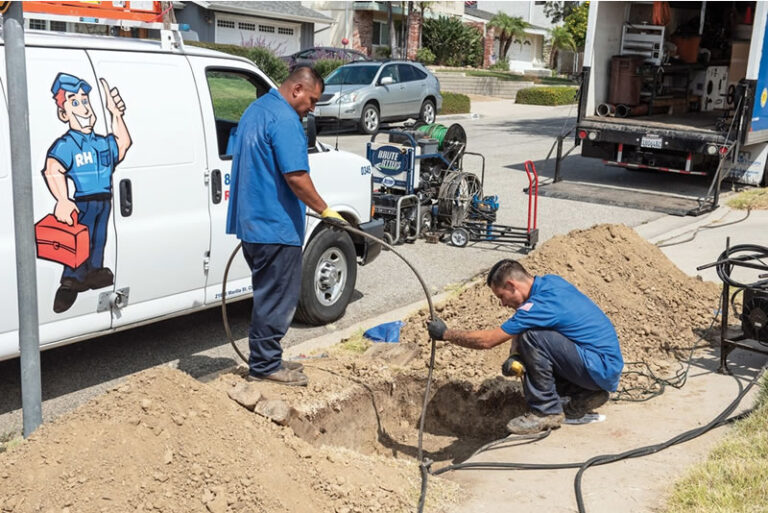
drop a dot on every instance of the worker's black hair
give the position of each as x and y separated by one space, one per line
306 74
505 269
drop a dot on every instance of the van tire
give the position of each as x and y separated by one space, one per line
427 114
370 121
328 277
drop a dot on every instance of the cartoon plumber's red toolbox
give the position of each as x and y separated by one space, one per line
59 242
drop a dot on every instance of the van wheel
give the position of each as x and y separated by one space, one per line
427 112
328 276
369 119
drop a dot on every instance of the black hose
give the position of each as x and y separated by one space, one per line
425 464
726 262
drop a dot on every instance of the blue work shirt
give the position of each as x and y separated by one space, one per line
557 305
89 160
270 142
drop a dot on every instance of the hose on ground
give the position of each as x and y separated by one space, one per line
424 464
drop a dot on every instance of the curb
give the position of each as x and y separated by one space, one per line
452 117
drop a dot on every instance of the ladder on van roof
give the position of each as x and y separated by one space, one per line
125 14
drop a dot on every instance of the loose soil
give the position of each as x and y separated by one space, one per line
347 442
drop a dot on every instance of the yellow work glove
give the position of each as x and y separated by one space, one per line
334 217
513 366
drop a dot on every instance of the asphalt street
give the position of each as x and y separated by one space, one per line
507 134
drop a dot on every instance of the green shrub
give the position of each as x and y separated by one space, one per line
425 56
325 66
455 103
452 42
382 52
547 95
502 65
264 58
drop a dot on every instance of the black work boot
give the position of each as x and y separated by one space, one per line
534 422
99 278
67 294
584 402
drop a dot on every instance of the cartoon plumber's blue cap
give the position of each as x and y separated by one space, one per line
69 83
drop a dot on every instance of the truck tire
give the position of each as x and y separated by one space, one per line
369 119
427 113
328 277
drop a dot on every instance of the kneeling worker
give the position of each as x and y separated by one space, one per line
567 344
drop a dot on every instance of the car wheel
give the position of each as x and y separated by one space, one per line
328 277
427 113
369 119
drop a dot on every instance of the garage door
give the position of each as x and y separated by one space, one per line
281 37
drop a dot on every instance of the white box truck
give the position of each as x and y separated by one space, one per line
154 178
677 87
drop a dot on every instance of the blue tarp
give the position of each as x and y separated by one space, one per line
387 332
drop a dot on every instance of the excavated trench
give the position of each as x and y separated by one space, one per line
384 419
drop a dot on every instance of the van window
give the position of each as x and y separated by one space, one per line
231 93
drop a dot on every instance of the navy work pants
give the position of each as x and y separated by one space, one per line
553 369
276 278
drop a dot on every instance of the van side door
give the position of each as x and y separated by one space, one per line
66 127
160 203
226 88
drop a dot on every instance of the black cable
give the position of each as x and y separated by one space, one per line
661 244
726 262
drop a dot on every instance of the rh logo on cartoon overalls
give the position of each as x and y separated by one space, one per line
76 233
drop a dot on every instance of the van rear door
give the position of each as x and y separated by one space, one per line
226 88
160 202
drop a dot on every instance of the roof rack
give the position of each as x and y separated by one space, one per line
126 15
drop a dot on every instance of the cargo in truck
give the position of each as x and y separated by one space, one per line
677 87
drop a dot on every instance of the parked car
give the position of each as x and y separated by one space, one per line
371 92
310 56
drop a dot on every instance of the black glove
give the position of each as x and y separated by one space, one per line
513 366
437 329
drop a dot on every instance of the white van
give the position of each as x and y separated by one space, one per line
140 149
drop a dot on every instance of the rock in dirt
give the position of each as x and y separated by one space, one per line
246 395
276 410
396 354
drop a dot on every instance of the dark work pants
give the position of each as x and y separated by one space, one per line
276 278
553 369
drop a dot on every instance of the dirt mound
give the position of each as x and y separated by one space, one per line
166 442
658 311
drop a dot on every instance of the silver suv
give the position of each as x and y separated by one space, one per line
371 92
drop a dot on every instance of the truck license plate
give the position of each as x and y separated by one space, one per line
651 141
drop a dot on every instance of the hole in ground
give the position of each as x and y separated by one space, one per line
384 420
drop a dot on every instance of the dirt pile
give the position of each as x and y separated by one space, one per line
163 441
657 310
166 442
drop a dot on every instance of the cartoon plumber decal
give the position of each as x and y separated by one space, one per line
88 160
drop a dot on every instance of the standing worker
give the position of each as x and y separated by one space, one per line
567 345
270 188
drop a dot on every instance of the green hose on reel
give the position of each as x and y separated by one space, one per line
451 140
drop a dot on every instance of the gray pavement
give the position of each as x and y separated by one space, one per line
506 133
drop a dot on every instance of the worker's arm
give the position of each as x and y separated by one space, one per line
480 339
302 186
56 179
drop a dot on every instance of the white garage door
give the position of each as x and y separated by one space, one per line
281 37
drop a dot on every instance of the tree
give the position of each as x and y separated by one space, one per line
452 42
558 11
508 28
560 39
423 6
576 23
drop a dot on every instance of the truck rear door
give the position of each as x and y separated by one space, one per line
160 202
757 70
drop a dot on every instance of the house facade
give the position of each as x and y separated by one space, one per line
366 27
283 27
528 54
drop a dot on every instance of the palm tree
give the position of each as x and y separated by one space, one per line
560 38
508 28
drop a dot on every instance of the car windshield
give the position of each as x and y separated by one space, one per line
352 75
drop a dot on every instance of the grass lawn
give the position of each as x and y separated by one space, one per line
735 476
755 199
231 96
